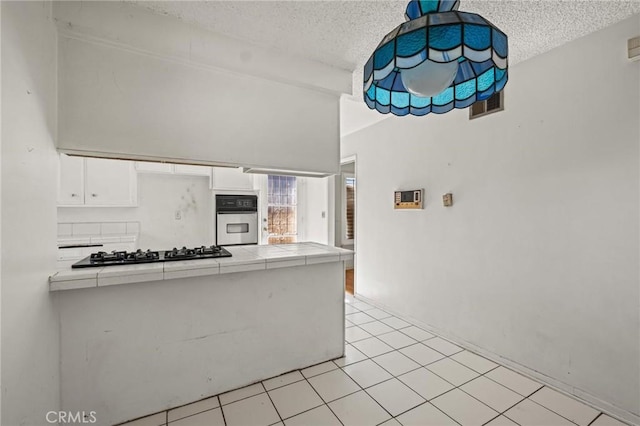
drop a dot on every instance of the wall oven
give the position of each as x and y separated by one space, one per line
236 219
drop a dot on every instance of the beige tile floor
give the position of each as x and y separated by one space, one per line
394 373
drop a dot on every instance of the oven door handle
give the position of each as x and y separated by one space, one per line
237 212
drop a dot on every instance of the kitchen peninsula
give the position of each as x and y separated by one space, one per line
138 339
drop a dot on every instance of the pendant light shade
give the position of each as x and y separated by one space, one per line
438 60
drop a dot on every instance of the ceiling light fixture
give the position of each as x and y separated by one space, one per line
438 60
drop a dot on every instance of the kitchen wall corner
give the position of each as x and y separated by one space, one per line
30 333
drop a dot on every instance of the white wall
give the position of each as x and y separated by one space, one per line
30 348
159 197
0 205
125 101
537 260
130 26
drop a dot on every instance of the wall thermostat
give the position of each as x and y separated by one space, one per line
408 199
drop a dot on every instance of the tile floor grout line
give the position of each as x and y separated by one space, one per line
401 374
484 403
438 408
536 391
504 414
537 403
597 417
495 381
241 399
419 341
376 401
354 380
190 415
420 405
432 398
281 386
322 399
224 419
490 420
455 386
274 405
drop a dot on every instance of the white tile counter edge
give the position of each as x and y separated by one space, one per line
249 258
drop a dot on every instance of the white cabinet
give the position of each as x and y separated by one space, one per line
176 169
231 178
151 167
71 181
186 169
96 182
109 183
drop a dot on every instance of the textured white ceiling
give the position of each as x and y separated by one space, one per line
344 33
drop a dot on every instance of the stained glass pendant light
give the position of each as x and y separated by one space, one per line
439 59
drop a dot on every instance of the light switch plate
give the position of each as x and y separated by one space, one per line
447 199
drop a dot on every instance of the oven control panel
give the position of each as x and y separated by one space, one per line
408 200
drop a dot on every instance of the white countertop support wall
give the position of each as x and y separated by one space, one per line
244 259
131 350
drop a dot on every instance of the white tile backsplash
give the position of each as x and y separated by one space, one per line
98 229
105 240
117 228
85 229
65 230
133 228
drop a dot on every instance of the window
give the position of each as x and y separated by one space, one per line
282 209
349 207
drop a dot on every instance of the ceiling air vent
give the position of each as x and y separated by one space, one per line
495 103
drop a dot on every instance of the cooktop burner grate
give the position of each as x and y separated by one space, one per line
102 258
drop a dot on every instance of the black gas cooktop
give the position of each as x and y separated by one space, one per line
102 258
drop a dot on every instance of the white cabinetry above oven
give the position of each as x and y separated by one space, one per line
175 169
96 182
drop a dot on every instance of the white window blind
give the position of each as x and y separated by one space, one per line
350 200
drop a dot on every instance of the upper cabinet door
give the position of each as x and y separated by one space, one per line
231 178
71 182
110 183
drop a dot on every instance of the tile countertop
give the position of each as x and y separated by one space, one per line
244 258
